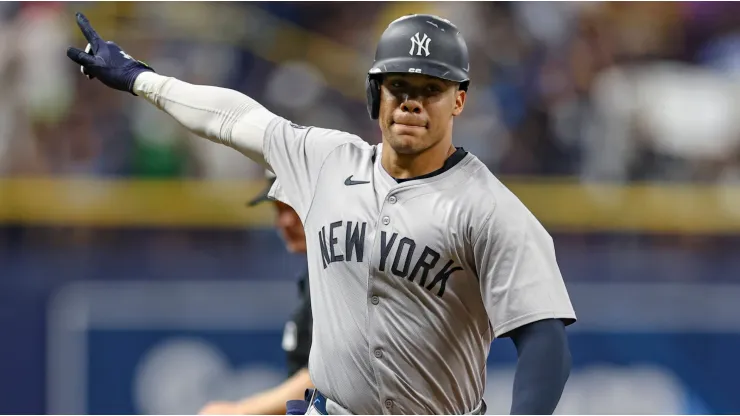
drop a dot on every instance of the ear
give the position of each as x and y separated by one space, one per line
460 96
373 87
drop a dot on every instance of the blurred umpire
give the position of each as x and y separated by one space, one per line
297 333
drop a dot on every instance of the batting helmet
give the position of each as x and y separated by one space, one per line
418 44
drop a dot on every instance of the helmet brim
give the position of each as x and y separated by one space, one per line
411 65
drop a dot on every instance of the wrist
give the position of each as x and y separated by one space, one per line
147 81
135 74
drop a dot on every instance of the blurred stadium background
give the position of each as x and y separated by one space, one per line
133 279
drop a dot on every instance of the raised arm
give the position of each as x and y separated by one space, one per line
296 154
218 114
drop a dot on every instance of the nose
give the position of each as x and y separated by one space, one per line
410 105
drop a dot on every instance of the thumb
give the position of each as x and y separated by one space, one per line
81 57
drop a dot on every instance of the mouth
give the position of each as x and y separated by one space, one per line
408 125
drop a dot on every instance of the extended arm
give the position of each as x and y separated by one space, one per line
296 154
218 114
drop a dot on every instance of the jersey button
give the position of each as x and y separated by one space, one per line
388 404
375 300
392 199
386 220
378 353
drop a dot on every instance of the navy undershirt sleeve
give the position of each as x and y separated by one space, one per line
543 367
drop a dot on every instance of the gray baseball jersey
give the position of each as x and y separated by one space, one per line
410 281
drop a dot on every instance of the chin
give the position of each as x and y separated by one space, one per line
407 144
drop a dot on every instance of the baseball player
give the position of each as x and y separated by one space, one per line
297 332
418 256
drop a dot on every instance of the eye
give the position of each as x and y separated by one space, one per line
432 88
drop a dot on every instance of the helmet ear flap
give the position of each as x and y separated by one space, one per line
372 90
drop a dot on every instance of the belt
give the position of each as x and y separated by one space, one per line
317 404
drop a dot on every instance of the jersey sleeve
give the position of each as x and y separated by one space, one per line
296 155
519 276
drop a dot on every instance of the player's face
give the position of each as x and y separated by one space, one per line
416 111
290 227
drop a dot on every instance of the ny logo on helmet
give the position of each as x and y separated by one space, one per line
420 44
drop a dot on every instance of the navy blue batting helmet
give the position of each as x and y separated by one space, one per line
418 44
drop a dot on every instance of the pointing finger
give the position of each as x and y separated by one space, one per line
90 34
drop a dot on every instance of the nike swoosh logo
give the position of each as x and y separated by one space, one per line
350 182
